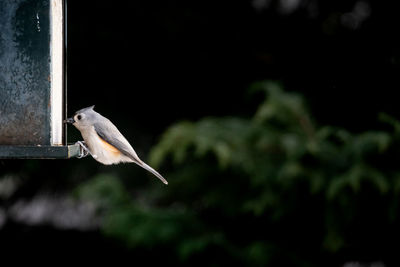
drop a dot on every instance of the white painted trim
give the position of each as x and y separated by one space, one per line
56 69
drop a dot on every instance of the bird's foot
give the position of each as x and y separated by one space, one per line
84 150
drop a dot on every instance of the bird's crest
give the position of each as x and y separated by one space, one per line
85 109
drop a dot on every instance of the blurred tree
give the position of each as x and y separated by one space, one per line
275 189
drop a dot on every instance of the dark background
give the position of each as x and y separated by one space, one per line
149 64
172 60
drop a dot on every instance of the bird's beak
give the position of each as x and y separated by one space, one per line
69 120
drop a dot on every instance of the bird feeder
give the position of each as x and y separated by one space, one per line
33 80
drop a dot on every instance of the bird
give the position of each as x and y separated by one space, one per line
104 141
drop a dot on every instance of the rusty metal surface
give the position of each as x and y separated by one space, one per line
24 72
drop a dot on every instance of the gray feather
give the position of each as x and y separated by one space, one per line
85 109
109 133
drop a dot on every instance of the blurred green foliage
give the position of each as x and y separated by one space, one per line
273 189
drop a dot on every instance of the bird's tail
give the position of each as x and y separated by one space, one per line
153 171
134 158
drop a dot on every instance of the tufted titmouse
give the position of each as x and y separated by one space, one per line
105 143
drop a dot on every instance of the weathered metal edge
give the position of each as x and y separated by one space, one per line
39 152
56 71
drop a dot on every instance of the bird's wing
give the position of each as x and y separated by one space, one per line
109 133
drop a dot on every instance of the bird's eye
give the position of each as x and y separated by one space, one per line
79 117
